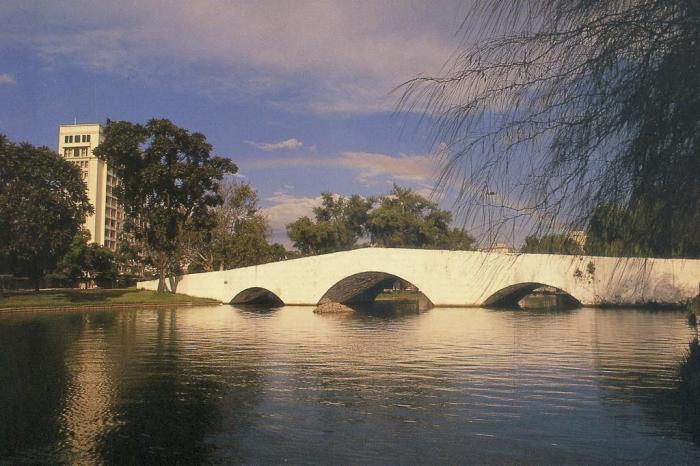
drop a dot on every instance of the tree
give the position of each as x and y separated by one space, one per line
405 219
73 265
339 223
236 237
84 262
613 231
552 244
100 264
43 204
130 256
567 105
169 182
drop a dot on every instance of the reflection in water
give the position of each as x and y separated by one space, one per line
229 384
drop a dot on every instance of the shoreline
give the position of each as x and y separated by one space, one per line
73 299
101 307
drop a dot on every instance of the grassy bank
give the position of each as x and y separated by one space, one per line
95 297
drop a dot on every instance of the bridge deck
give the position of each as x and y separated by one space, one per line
454 278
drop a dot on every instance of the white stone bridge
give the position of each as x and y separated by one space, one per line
448 278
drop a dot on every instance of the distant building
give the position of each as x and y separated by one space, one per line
501 248
75 144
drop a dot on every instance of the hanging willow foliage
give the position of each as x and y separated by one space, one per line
578 113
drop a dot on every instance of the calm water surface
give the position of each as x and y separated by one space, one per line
226 384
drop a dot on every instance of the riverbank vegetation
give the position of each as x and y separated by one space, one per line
43 203
169 185
184 212
95 297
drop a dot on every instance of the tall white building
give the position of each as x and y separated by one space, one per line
75 144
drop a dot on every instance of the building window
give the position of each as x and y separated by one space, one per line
65 139
88 138
70 139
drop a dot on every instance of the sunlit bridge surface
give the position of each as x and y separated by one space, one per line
275 384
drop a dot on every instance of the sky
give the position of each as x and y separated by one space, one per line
301 95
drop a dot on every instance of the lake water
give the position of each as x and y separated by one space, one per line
227 384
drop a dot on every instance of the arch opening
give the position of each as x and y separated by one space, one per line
257 296
531 295
379 290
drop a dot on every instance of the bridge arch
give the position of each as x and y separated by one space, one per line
510 296
257 295
364 287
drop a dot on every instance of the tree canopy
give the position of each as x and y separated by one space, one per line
339 223
43 204
561 106
84 261
402 218
236 237
169 183
405 219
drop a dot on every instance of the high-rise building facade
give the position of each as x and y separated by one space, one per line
75 144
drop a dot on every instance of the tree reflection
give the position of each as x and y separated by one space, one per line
34 380
173 400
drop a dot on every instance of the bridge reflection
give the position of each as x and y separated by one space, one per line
531 295
385 290
257 295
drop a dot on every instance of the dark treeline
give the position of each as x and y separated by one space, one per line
183 212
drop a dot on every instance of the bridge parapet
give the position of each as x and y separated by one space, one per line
455 278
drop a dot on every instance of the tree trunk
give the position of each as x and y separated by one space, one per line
35 275
162 265
161 279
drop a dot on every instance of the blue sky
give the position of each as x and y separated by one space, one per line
297 93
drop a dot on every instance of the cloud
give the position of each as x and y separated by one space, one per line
373 167
370 168
284 208
324 57
287 144
7 79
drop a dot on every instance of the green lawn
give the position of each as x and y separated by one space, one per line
95 297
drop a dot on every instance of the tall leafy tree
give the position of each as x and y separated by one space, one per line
563 105
43 203
402 218
405 219
236 237
169 184
339 223
85 261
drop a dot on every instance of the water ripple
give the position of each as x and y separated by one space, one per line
228 385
